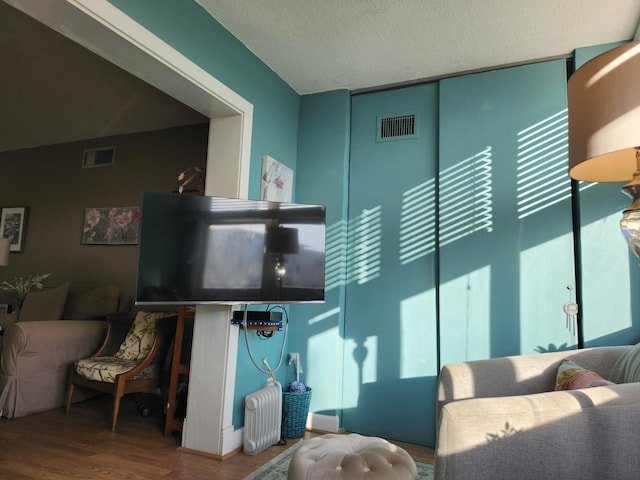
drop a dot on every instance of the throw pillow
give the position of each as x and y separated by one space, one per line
137 344
571 376
627 367
91 303
45 304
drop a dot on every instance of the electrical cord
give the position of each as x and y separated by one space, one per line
264 334
284 340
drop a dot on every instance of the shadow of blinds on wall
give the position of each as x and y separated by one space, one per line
417 222
465 205
543 150
364 252
336 255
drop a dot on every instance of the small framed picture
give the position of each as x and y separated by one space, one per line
13 223
111 226
277 181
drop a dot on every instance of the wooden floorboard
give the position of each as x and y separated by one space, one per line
81 445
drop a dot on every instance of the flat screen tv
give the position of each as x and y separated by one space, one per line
200 250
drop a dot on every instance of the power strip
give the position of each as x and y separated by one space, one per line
259 320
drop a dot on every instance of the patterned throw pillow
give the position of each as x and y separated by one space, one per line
571 376
142 333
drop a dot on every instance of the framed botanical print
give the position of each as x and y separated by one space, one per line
277 181
111 226
13 222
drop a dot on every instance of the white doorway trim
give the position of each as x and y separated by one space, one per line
103 29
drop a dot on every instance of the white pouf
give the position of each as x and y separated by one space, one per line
350 456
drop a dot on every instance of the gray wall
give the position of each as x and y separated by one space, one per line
51 183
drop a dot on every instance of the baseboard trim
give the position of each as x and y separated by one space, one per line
200 453
323 423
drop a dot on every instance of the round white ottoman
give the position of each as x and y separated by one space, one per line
350 457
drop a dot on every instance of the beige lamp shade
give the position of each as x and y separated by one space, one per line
5 245
604 116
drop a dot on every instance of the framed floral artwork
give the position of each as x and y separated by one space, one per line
13 222
277 181
111 226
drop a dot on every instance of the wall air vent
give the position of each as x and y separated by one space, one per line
397 127
99 157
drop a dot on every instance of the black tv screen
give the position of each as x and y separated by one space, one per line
199 249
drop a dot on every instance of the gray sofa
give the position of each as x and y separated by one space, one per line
54 328
502 419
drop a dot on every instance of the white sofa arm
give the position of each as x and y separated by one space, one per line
35 360
517 375
578 434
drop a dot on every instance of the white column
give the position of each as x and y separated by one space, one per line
208 426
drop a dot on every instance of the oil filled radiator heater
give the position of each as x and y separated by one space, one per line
262 418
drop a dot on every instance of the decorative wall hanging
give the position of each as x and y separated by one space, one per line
111 226
13 222
571 310
277 181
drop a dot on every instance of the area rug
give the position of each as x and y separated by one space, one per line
276 469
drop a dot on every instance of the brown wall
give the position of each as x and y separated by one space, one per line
51 183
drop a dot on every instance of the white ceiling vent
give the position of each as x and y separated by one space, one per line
397 127
99 157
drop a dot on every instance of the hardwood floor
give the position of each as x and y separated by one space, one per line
55 446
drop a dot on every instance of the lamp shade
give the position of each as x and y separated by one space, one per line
604 116
282 240
5 245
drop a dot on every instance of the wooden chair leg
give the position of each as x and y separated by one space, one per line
118 393
69 397
116 409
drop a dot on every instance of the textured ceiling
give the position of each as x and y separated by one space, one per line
318 46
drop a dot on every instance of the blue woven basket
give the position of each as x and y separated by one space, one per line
295 408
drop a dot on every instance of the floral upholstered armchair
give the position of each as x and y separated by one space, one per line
131 359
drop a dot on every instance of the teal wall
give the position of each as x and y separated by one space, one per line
584 54
506 211
505 245
315 331
610 273
390 352
188 28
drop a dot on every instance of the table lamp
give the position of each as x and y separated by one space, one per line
5 245
604 127
280 240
